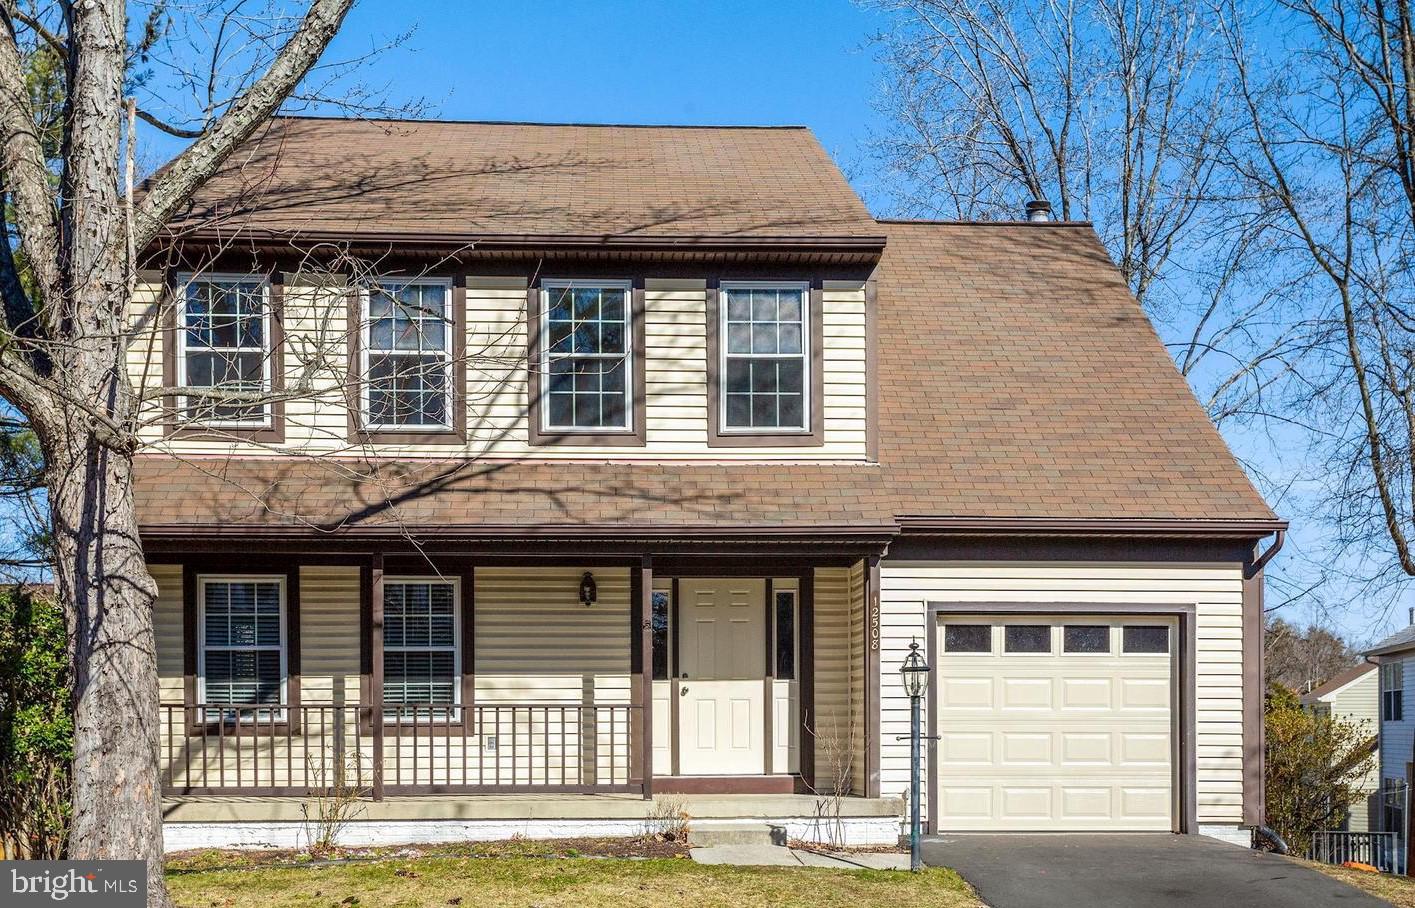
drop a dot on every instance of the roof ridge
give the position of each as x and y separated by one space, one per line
441 121
958 222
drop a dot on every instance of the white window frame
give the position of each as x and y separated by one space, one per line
454 712
722 356
1393 673
365 348
184 282
543 356
248 714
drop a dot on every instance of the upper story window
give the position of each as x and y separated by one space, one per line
765 366
224 347
587 362
1393 691
407 346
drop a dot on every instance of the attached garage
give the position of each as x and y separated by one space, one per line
1057 722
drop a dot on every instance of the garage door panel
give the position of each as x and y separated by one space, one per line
1056 741
1027 693
1026 803
1085 803
1086 693
1144 693
1144 749
957 692
1026 749
965 748
1086 748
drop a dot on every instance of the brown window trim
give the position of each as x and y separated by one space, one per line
371 686
538 436
174 423
353 398
191 572
717 438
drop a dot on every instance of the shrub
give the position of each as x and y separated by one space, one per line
36 726
1313 765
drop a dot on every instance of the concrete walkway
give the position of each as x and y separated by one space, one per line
780 856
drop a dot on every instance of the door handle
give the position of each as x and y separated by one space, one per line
683 691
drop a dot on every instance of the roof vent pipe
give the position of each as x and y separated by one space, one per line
1039 210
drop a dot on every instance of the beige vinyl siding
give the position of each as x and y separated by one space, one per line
1216 590
167 626
1359 702
329 633
675 370
535 642
857 674
838 745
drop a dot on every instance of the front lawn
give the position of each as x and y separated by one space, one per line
1398 890
589 882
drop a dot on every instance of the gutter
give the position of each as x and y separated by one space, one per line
1091 526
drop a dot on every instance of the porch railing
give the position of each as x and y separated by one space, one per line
1379 849
372 751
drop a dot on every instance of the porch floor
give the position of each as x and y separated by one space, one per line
234 809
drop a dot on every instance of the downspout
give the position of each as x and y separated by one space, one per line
1280 536
1253 570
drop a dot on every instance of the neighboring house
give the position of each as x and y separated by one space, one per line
586 460
1395 656
1354 696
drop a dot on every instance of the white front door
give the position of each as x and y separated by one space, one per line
721 698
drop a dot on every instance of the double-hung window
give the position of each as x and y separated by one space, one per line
1393 691
421 659
407 346
587 357
241 656
223 355
765 364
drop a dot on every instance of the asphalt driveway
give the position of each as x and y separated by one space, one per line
1135 871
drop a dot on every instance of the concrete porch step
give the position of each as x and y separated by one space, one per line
717 833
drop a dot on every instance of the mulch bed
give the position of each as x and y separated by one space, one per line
609 847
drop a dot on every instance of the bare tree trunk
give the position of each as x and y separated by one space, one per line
108 597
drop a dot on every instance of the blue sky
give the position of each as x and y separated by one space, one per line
780 61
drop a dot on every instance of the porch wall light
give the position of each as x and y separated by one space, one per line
589 593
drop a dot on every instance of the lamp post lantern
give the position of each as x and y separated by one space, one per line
915 675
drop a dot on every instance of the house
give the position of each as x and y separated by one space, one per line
1394 656
513 474
1354 696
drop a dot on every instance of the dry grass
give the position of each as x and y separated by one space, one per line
1398 890
546 883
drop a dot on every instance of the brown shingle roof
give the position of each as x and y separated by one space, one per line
485 180
1018 378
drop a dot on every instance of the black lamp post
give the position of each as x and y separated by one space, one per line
915 675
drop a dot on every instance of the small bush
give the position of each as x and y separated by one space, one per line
1313 764
36 726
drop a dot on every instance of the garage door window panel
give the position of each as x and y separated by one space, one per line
1027 638
1090 639
967 638
1145 639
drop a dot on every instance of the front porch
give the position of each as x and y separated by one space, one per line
393 676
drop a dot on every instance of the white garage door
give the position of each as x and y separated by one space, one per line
1055 724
